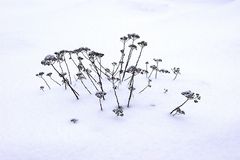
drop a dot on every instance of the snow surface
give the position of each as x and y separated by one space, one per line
200 36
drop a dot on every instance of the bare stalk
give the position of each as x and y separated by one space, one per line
69 75
55 81
66 82
179 106
45 82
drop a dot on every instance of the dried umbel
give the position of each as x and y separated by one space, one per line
49 60
163 71
142 44
42 88
74 120
100 96
133 37
124 39
154 68
80 76
176 71
190 96
40 75
119 111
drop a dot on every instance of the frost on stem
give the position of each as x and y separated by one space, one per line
190 96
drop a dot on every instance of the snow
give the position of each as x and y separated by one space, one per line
199 36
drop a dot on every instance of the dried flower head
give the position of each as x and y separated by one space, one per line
133 36
157 60
100 94
49 74
48 60
142 44
132 46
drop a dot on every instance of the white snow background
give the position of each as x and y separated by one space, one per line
202 37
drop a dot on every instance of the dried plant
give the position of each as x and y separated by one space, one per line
132 47
157 63
49 60
42 88
190 96
154 68
165 90
80 77
176 71
146 69
100 95
40 75
148 86
50 76
90 68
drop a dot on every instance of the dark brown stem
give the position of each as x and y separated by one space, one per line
175 76
120 64
131 89
100 102
139 57
143 89
156 71
89 76
46 82
179 106
69 75
85 86
150 74
60 65
146 70
66 82
99 78
129 57
55 81
115 92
